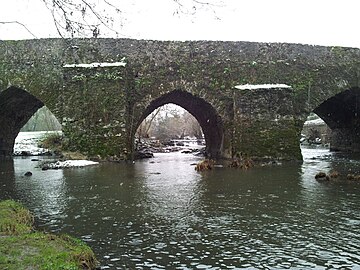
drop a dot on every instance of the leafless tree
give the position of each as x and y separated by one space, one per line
191 126
82 17
190 7
169 122
145 126
42 120
89 18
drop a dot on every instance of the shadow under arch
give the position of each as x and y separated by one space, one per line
204 113
342 114
16 108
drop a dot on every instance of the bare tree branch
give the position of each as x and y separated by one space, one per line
195 5
85 18
19 23
81 17
98 16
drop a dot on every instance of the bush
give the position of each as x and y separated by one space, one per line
205 165
242 163
52 141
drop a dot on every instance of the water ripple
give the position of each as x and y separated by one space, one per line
265 218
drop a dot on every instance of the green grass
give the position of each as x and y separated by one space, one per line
14 218
21 248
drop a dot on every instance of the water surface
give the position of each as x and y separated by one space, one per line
161 214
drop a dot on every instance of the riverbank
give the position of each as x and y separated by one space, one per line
23 248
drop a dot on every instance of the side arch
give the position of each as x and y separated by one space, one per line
209 120
16 108
342 114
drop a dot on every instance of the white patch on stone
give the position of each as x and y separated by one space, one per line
342 83
315 122
261 86
122 63
78 163
71 164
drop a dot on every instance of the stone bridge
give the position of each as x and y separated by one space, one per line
102 89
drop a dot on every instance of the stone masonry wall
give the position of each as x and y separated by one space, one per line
101 107
266 125
95 110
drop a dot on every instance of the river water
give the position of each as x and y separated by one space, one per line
162 214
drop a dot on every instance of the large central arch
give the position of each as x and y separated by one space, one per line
205 114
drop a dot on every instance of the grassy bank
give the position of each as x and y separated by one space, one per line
22 248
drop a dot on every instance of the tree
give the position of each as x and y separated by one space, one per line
42 120
82 17
91 18
191 7
192 126
169 122
146 124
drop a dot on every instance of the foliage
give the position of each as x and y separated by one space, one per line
59 145
45 251
53 141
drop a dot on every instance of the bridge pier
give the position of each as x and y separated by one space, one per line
345 139
99 117
6 147
266 124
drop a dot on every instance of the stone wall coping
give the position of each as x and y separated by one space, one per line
261 86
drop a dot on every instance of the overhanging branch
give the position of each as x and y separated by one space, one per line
21 24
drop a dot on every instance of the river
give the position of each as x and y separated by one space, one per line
161 214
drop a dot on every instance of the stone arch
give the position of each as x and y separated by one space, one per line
341 113
16 108
209 120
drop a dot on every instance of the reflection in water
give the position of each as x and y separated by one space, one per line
44 192
315 160
160 213
7 179
329 215
171 191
